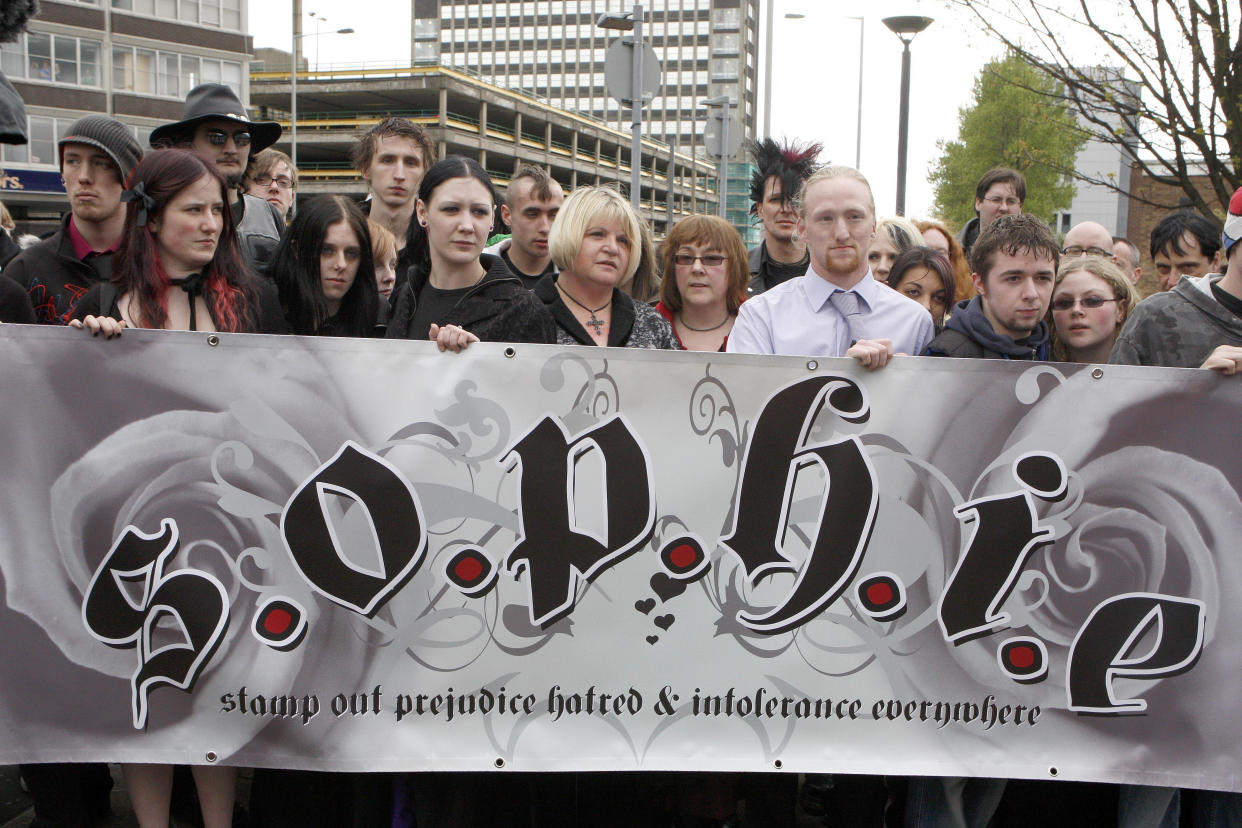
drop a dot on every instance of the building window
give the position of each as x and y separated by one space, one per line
724 69
725 44
169 74
59 58
224 14
726 19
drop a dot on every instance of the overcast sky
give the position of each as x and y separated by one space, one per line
815 74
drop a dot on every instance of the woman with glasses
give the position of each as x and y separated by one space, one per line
596 242
273 178
1090 301
705 276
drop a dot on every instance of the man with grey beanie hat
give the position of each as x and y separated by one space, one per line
96 156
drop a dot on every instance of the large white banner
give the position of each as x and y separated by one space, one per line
344 554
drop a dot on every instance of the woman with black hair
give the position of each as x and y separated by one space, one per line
456 294
324 271
926 276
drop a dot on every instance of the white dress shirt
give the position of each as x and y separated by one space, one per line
797 318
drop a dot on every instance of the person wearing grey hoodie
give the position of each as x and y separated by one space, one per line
1014 265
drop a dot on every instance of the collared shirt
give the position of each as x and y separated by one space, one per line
797 318
81 247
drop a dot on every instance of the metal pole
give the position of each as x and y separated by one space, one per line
858 143
293 87
903 129
636 109
767 74
724 160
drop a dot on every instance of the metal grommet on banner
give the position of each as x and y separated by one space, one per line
510 352
499 763
213 340
812 365
778 764
1052 771
1098 373
211 756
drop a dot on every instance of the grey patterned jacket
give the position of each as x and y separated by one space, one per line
1177 329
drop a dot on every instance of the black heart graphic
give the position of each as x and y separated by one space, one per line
645 606
664 621
651 639
666 587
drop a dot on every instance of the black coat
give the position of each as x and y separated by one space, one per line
54 277
496 309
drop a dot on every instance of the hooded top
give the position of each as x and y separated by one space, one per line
968 333
1177 329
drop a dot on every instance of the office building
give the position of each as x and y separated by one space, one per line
132 59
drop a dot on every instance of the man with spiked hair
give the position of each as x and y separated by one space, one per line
780 171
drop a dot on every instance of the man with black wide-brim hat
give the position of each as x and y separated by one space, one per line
216 125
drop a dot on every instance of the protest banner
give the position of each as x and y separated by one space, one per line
365 555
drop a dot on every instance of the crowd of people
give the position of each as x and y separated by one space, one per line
200 233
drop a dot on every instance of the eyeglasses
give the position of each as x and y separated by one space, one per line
1075 250
1064 303
218 137
708 260
997 201
283 182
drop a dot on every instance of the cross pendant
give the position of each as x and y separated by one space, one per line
597 324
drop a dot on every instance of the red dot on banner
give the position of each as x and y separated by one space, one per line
468 569
684 556
1022 657
880 594
277 621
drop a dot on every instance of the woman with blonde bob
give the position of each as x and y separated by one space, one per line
595 242
705 275
1091 299
893 236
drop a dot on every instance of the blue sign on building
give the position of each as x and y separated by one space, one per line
31 181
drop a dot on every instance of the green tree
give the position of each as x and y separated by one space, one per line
1180 98
1018 118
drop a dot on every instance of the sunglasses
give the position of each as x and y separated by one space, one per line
218 137
1065 303
710 260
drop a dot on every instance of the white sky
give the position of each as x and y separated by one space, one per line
815 74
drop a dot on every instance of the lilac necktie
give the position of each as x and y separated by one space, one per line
846 303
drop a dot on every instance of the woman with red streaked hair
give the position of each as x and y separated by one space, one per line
179 266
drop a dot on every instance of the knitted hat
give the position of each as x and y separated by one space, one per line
107 134
1233 223
209 101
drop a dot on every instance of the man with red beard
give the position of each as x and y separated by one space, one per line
836 308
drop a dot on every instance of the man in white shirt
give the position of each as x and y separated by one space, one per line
837 308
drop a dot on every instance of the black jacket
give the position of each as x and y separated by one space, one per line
634 324
265 318
14 303
54 277
496 309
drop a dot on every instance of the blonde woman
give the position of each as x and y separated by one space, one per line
1091 299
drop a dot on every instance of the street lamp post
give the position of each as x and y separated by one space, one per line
905 27
722 101
767 67
293 74
633 22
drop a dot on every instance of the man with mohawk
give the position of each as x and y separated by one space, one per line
779 173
